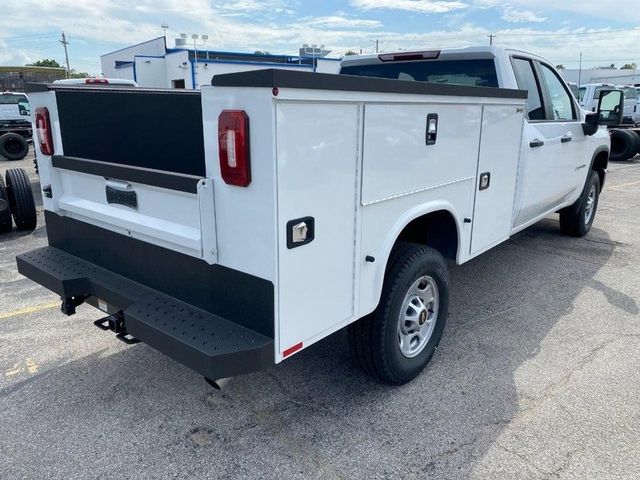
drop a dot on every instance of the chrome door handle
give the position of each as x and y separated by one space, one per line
566 139
535 143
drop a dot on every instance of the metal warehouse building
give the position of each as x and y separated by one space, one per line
152 64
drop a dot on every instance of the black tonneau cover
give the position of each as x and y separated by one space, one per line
325 81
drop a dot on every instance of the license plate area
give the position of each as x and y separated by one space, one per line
128 198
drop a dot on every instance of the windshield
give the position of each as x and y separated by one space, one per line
480 73
629 93
574 89
581 93
11 99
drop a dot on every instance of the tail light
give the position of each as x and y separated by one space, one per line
43 130
233 147
96 80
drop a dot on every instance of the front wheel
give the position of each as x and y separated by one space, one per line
398 339
577 219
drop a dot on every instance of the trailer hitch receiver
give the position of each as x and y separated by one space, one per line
116 324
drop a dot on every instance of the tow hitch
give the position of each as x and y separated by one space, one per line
69 304
115 323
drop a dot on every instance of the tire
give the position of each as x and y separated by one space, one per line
636 136
375 340
577 219
623 145
5 210
21 199
13 146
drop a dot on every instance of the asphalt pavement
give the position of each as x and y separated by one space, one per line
537 377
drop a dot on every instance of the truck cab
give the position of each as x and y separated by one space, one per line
631 114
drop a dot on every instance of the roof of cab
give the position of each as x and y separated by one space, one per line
478 51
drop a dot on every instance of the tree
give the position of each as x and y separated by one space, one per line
261 52
628 66
74 74
45 62
50 62
560 67
350 52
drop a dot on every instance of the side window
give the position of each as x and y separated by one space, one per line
561 104
527 81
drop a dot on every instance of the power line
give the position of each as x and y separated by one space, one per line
34 36
554 34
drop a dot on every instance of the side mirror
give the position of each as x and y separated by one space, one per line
610 111
610 107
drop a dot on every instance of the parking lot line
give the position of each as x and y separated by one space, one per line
26 310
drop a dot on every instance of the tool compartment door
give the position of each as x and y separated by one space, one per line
317 154
498 159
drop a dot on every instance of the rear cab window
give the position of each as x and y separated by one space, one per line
470 72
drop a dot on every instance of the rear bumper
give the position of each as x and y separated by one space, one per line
208 343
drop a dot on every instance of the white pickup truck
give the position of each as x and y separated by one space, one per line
232 228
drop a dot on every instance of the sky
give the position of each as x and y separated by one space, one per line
605 31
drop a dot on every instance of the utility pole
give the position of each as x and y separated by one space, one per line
580 72
491 37
377 42
64 43
164 27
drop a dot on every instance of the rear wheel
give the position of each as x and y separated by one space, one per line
398 339
5 211
21 199
13 146
577 219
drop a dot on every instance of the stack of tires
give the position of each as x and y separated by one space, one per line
625 144
13 146
16 200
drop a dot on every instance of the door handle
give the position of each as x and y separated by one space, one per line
566 139
535 143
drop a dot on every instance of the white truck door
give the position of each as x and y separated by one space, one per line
496 179
548 143
317 154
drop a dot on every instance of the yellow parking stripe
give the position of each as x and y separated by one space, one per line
27 310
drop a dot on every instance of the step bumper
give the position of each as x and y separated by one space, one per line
207 343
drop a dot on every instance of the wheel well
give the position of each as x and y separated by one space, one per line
600 164
437 230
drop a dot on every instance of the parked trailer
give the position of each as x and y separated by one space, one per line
296 204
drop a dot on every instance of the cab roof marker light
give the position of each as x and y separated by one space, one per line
408 56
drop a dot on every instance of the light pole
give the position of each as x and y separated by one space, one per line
195 38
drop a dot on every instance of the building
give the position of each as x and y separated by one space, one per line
152 64
602 75
14 78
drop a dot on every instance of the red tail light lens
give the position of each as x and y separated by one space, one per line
43 131
96 80
233 147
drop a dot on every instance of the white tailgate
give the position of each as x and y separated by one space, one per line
183 222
